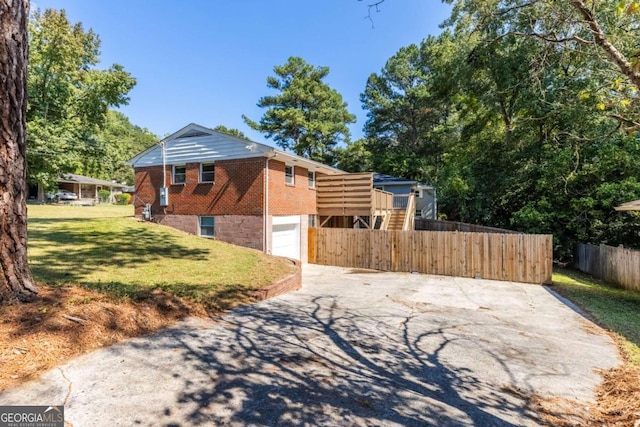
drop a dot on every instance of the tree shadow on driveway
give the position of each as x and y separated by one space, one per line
320 364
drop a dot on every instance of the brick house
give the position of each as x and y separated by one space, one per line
238 191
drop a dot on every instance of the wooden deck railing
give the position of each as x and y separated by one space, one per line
410 213
382 201
351 194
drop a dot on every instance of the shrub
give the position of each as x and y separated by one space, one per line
104 195
123 199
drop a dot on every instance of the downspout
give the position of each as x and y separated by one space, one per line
265 217
164 172
164 165
269 156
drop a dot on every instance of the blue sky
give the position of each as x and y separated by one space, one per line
207 61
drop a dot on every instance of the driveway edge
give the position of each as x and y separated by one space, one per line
289 283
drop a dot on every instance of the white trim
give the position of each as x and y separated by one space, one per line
265 227
289 219
200 180
293 174
200 226
308 164
173 174
251 149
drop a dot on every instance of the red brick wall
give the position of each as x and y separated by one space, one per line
235 199
238 189
285 199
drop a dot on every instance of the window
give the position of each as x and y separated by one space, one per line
207 172
313 221
179 174
288 175
312 179
207 226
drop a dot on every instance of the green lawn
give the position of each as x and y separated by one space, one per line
104 248
615 309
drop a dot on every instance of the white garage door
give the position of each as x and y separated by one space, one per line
286 240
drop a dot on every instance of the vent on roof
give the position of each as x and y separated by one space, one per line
193 133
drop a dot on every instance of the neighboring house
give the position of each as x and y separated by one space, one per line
219 186
86 188
425 195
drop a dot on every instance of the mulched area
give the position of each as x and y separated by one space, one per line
63 322
618 401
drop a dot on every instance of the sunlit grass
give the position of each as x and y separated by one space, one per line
615 309
105 248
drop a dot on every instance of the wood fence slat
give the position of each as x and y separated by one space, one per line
616 265
512 257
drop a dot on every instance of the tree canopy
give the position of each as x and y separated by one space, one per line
68 98
306 116
230 131
520 115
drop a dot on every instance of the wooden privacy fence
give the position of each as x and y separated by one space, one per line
619 266
513 257
439 225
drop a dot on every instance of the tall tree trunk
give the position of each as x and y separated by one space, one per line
15 279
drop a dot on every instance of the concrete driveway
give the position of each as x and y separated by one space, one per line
351 348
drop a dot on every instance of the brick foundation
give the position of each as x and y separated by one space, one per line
241 230
186 223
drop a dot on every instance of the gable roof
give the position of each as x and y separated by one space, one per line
629 206
197 144
81 179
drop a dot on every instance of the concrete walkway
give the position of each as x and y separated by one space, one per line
351 348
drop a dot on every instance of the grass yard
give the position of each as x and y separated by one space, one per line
618 311
104 248
104 276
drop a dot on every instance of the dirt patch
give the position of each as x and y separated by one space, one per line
63 322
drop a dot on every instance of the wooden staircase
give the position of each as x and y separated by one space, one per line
396 221
402 215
